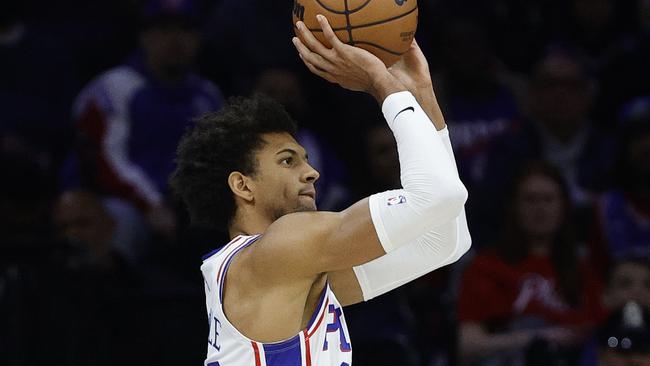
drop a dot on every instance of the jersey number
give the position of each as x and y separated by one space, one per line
334 326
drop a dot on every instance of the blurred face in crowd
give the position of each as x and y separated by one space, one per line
560 97
284 181
629 281
614 358
539 206
285 87
82 220
382 157
170 49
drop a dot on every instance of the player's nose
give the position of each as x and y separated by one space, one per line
311 175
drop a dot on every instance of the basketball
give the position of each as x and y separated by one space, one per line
384 27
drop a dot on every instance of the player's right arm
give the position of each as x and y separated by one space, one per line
305 244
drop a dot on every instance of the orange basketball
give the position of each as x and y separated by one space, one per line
383 27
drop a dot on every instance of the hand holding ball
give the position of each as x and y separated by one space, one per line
383 27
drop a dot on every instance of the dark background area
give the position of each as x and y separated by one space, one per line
98 262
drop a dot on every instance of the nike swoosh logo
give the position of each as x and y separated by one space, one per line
404 110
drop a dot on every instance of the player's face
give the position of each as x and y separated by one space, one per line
540 206
284 182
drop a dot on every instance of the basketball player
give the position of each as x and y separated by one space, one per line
275 293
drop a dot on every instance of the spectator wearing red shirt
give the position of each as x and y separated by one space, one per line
531 292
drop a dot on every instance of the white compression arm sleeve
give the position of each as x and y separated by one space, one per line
432 193
437 248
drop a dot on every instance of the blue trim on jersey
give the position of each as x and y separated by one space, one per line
281 346
317 310
219 250
216 251
232 255
285 353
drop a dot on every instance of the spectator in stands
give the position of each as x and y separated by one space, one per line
559 105
623 214
480 107
105 233
628 280
531 292
559 132
130 119
624 339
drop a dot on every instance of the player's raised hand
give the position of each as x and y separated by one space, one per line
412 69
351 67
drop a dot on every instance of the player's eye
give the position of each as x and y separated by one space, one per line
287 161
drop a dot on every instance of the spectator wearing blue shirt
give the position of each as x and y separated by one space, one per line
130 118
557 130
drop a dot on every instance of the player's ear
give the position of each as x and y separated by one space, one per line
240 185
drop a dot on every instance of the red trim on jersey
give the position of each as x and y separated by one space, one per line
258 362
320 319
307 349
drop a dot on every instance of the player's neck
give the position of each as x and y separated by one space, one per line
246 223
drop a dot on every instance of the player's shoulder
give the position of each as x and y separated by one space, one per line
238 242
314 217
298 225
292 240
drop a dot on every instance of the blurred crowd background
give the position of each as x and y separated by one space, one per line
548 104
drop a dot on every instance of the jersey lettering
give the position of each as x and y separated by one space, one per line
213 337
334 326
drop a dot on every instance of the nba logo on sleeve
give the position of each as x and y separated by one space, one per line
396 200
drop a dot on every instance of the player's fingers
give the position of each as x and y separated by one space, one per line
313 58
317 71
311 42
329 34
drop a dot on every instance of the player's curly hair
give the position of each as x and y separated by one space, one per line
220 143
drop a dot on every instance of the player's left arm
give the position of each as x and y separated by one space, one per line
435 249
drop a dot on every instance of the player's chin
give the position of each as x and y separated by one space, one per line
306 204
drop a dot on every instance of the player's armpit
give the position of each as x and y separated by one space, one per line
346 287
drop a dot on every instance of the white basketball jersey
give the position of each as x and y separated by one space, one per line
325 342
